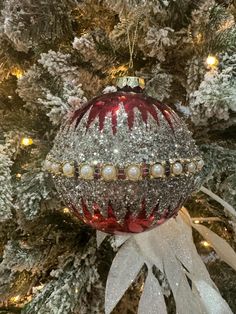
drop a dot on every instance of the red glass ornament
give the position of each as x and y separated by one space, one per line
152 204
100 107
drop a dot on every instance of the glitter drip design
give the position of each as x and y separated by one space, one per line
130 224
102 106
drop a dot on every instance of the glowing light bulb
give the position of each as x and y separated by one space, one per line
205 244
212 61
197 221
15 299
66 210
26 141
18 175
17 72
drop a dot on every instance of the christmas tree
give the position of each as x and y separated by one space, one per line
56 55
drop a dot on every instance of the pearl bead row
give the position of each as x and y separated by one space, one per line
133 172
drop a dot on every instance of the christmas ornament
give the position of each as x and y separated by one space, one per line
124 162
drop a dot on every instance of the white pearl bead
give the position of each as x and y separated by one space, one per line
68 170
177 168
191 167
200 164
134 173
55 168
86 172
157 171
109 173
47 165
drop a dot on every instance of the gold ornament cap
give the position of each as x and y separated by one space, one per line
130 83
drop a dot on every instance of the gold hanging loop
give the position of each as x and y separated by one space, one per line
131 43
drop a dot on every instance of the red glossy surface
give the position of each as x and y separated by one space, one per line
110 104
130 224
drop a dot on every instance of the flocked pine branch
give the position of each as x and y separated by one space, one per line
31 24
216 96
33 190
11 60
220 169
73 288
88 48
64 78
215 27
6 192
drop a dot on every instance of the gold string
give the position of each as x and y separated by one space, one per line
131 44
